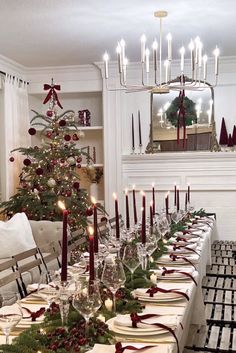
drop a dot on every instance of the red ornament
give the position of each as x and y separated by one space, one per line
76 185
103 219
62 161
32 131
49 134
39 171
50 113
27 162
54 162
78 165
75 137
67 137
89 212
11 159
68 193
62 122
79 160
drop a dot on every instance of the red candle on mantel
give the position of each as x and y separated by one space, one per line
186 201
153 200
134 206
95 224
175 201
127 209
177 198
188 193
151 213
91 253
64 243
117 217
143 231
167 203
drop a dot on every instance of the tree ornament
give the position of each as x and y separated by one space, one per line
76 185
62 122
71 161
49 134
27 162
11 159
75 137
32 131
68 193
67 137
51 182
39 171
79 159
62 161
89 212
49 113
223 133
79 166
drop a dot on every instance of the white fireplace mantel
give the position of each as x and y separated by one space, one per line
212 176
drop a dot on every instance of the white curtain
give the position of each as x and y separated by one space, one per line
14 132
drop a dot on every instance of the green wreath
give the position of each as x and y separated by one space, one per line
190 111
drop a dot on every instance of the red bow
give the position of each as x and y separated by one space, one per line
175 257
135 318
52 93
120 349
181 239
34 315
177 247
166 272
154 290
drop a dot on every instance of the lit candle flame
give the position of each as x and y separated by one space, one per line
151 203
142 193
126 191
61 205
90 231
153 184
114 195
93 200
133 186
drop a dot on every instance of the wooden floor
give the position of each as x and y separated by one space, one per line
219 289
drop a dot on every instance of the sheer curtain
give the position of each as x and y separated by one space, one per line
14 132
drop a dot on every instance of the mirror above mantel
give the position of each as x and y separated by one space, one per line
172 131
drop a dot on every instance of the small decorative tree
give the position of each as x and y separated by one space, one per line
51 171
223 133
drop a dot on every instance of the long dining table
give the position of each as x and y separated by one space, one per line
183 312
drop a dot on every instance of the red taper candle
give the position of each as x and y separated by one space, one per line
143 231
186 201
127 209
177 198
151 213
117 217
134 206
188 193
95 224
64 243
91 253
153 200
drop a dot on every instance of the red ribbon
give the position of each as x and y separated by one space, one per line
154 290
181 239
167 272
135 318
52 93
175 257
34 315
120 349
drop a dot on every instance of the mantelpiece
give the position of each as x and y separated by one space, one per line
212 176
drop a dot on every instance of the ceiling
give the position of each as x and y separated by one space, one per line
73 32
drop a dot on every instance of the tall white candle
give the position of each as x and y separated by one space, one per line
166 64
118 51
143 47
154 50
182 52
122 46
204 59
169 46
106 58
216 54
191 48
125 63
147 54
200 54
197 41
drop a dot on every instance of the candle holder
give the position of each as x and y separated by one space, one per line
64 304
133 150
140 149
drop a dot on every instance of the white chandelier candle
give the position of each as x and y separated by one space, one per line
195 54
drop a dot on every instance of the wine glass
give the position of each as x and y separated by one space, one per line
113 276
131 258
162 225
86 299
10 312
78 264
48 286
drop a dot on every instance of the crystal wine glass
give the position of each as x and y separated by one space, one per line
86 299
10 312
113 276
162 225
131 258
48 286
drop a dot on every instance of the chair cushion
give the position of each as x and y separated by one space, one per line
15 236
45 232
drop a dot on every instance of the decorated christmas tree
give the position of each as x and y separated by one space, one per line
50 171
223 133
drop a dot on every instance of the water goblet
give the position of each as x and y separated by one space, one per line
131 258
10 312
113 276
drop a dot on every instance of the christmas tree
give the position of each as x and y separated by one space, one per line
223 133
50 172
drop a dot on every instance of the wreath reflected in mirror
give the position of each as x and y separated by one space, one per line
172 113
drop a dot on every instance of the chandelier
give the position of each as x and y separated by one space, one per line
162 82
